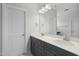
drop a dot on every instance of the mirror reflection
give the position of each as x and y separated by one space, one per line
59 19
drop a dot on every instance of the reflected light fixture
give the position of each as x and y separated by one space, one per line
40 11
45 8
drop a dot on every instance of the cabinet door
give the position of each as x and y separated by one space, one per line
35 46
32 46
51 50
58 51
43 47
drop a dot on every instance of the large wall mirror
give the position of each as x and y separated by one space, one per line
60 19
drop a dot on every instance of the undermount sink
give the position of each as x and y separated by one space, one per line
63 42
58 40
50 38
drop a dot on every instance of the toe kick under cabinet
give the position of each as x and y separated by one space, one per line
41 48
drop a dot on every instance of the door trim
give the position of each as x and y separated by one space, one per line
4 6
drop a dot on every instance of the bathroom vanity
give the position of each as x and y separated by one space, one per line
43 47
59 22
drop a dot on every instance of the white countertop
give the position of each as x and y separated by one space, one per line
71 46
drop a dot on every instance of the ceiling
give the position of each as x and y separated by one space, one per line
34 7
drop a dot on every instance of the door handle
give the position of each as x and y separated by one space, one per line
23 34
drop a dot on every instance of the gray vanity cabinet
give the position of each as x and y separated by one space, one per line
41 48
37 47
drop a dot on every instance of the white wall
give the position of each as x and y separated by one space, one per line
0 30
34 19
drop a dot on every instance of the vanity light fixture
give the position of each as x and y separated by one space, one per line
40 11
45 8
66 9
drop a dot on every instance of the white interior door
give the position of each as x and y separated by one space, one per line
14 32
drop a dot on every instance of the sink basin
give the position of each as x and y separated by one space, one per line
63 42
50 38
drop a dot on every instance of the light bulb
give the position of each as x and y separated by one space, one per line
44 9
40 11
47 6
